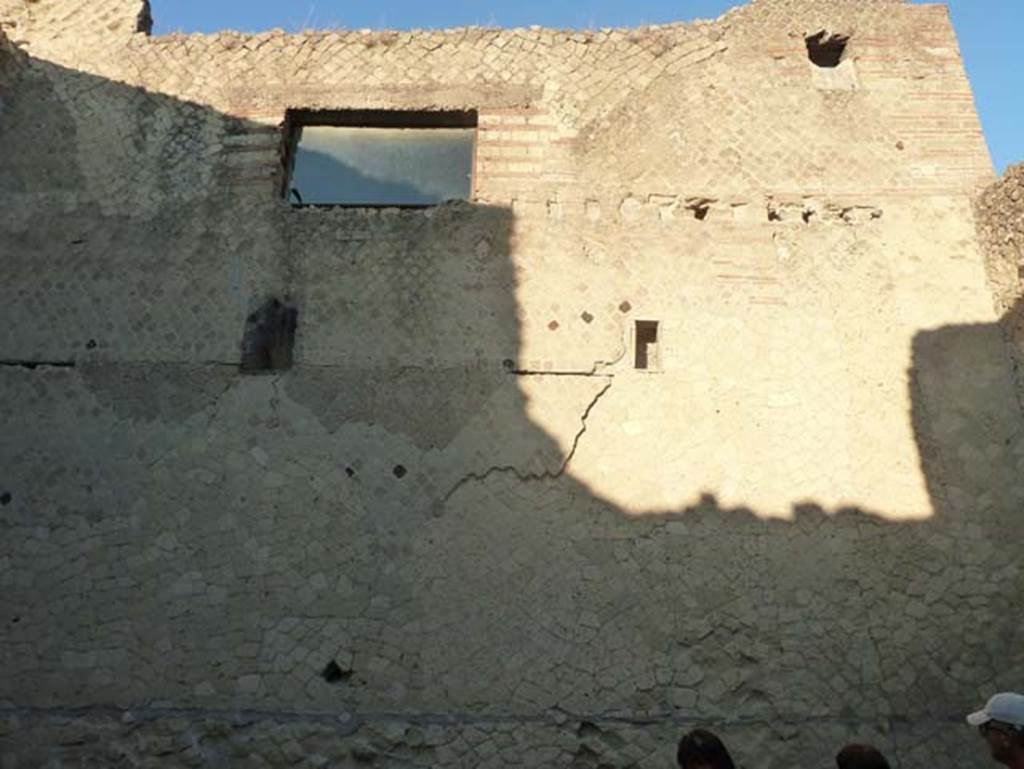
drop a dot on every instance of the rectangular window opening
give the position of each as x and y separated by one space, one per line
646 336
379 158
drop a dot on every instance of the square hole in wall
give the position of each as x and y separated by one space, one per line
645 342
368 158
833 68
826 50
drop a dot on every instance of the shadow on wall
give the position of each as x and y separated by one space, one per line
966 417
320 502
326 173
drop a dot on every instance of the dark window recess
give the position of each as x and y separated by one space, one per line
646 344
269 337
826 50
369 158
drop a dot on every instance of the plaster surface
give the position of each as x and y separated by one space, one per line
800 527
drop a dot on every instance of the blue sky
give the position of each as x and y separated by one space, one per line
990 32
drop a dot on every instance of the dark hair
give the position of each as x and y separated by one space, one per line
1015 732
701 748
861 757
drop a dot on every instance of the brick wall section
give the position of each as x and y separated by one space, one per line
908 126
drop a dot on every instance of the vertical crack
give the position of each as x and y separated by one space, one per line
583 427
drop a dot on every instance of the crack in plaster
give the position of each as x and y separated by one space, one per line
547 475
34 364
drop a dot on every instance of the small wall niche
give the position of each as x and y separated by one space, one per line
645 342
699 209
269 337
826 50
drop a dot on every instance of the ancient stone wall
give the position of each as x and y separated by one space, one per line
463 528
1000 214
1000 211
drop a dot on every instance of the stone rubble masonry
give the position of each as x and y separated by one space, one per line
461 529
1000 214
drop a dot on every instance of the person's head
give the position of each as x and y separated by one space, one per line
700 749
1001 723
861 757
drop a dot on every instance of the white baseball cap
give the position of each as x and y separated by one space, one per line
1007 708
